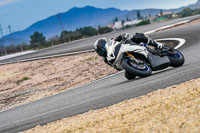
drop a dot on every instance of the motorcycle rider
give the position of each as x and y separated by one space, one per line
106 50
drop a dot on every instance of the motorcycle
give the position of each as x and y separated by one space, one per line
141 60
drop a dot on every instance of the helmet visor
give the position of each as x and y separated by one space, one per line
101 50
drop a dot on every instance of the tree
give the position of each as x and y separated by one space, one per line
161 12
24 46
128 19
196 11
115 20
87 31
66 36
149 15
144 22
123 21
3 50
138 15
76 35
10 49
103 30
38 40
55 40
186 12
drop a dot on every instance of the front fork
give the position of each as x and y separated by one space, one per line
129 54
133 58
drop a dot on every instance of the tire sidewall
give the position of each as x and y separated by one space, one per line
175 62
129 76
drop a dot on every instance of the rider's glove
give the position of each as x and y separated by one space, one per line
159 45
125 36
122 37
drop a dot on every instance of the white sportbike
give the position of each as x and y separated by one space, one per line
141 60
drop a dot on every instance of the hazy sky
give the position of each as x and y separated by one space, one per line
22 13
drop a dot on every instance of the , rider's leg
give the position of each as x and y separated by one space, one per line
141 38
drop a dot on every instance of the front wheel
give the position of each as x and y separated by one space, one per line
134 68
177 59
129 76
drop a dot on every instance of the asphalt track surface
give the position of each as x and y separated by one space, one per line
108 91
87 44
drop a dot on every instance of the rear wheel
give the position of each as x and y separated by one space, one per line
136 67
177 59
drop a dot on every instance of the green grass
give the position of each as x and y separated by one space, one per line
89 59
21 80
25 78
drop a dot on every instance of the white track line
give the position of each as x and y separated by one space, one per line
181 41
46 57
166 27
15 55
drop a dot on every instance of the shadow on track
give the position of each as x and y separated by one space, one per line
139 78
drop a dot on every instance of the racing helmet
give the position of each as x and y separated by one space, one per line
100 48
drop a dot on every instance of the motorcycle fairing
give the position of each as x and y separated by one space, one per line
157 62
128 48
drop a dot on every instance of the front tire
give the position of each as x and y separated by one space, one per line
176 60
133 70
129 76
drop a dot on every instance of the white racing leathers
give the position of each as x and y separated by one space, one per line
116 50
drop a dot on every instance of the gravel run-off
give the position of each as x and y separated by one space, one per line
25 82
175 109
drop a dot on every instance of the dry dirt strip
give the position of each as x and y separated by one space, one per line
175 109
24 82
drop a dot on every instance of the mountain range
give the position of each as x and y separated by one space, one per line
193 6
76 18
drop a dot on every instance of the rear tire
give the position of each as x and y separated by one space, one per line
131 70
177 60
